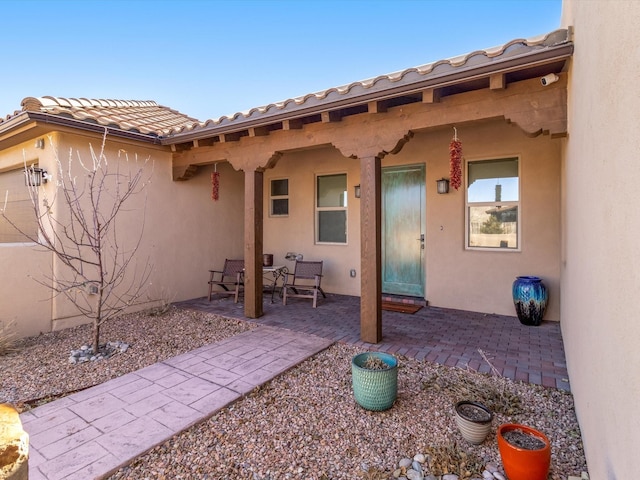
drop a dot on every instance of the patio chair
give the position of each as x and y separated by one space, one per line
230 279
304 282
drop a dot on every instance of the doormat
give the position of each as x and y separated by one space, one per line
400 307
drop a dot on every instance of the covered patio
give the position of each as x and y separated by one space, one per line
445 336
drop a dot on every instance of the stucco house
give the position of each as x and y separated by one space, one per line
546 161
288 171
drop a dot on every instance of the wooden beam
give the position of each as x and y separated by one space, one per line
497 82
182 173
532 107
253 232
376 107
292 124
196 144
370 250
328 117
431 95
258 131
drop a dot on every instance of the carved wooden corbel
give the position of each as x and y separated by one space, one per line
184 172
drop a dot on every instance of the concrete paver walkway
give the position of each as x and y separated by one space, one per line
92 433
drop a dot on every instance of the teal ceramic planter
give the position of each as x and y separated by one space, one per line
375 389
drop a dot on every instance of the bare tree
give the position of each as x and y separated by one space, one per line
93 235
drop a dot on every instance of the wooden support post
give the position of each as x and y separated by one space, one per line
370 250
253 228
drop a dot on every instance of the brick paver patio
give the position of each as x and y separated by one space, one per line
445 336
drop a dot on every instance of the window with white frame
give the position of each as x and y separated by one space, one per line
15 200
493 204
331 208
279 197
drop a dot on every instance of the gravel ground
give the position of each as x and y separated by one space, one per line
303 424
41 369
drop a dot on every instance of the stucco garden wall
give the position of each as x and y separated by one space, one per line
25 305
455 277
600 280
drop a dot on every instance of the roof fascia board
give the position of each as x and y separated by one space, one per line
459 74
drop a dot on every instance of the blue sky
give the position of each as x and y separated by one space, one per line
213 58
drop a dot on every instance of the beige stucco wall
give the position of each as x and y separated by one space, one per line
185 232
600 279
455 277
296 233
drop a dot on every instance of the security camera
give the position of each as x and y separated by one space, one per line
549 79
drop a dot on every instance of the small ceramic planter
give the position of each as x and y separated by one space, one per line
473 420
375 389
524 463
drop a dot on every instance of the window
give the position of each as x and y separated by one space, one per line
279 198
493 204
331 208
18 208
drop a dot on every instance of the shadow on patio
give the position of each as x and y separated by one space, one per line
445 336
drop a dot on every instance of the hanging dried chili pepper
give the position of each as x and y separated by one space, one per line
215 186
455 161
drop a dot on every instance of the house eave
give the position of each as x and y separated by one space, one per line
28 124
528 60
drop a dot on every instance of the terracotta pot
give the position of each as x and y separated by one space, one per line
474 428
520 463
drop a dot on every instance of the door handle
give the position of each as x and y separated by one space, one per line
421 241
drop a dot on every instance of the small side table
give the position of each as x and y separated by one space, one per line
273 274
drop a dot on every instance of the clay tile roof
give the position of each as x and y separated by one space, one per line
149 118
402 80
141 116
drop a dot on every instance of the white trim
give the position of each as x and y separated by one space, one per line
278 197
517 203
317 209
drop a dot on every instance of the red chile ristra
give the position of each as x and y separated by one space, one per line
215 185
455 169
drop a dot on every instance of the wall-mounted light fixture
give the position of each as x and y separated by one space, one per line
39 143
34 176
356 191
443 185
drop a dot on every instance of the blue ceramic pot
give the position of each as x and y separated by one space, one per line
530 298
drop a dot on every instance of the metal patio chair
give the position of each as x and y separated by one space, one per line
304 282
230 279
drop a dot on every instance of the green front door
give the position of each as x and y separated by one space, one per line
403 219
